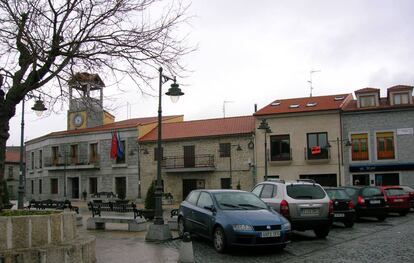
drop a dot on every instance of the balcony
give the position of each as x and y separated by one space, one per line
79 162
196 163
283 158
312 156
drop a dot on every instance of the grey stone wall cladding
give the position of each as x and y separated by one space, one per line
105 174
241 170
377 122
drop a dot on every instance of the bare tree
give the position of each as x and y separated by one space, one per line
44 42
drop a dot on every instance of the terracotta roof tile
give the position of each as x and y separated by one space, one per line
308 104
86 77
203 128
384 104
12 154
125 124
367 90
400 88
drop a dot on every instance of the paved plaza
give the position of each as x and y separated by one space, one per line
367 241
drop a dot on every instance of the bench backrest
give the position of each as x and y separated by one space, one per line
52 204
97 207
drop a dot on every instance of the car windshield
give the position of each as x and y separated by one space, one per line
371 191
337 194
305 191
394 191
239 201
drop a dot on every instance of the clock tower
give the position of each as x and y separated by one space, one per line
85 101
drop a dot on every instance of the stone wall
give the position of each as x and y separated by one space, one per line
242 164
44 238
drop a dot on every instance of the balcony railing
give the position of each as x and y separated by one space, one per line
74 162
198 162
324 154
286 156
360 156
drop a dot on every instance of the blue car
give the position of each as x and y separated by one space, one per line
232 218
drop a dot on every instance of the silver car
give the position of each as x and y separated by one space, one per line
305 204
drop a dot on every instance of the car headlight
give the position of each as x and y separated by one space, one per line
286 226
242 228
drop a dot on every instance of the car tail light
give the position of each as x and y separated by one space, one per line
361 200
284 208
351 205
331 208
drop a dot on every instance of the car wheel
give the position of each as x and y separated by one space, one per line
349 223
322 232
181 226
219 240
280 247
404 213
381 218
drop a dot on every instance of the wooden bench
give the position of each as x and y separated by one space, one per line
115 212
52 204
104 194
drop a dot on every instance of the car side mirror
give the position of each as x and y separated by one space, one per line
210 207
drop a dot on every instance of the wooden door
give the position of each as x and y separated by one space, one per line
189 156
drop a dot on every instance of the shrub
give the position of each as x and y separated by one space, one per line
150 198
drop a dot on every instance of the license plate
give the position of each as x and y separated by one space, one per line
310 211
398 200
272 233
375 202
339 215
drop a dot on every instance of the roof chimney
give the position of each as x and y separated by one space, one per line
255 107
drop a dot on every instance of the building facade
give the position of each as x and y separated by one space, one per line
381 133
212 154
304 141
67 164
12 171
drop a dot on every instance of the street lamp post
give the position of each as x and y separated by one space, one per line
39 107
338 144
265 127
159 231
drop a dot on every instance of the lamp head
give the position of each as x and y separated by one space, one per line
39 107
265 126
174 92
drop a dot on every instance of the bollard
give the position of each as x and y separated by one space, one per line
186 254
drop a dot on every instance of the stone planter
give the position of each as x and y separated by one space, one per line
44 238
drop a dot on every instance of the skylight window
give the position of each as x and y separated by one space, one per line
339 98
275 103
294 106
311 104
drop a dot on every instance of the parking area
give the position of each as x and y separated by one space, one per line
368 241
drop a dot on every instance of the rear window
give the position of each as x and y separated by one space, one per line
371 191
351 191
337 194
305 191
394 191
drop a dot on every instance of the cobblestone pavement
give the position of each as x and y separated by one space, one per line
367 241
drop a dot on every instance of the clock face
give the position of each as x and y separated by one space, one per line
78 120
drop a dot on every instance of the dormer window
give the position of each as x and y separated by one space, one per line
294 106
401 98
367 101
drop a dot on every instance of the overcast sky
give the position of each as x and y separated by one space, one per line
258 51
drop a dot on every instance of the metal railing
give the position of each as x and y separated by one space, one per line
82 159
324 154
282 156
198 161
